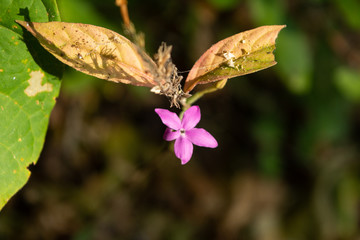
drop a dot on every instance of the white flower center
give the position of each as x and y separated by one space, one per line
182 132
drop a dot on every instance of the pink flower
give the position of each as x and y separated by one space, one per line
184 132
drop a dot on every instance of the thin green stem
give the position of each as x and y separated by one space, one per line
191 100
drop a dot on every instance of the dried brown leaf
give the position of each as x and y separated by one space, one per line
241 54
96 51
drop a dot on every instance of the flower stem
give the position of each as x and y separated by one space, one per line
191 100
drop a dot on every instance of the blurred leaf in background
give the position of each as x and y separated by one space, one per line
348 82
349 9
295 66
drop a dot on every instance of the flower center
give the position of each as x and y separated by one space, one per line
182 132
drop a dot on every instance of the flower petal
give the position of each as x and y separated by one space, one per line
168 118
183 149
191 117
201 137
171 134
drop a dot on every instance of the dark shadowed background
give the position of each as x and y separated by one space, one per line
288 162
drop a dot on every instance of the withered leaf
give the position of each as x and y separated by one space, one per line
96 51
241 54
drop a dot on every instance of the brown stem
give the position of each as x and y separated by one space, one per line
129 29
124 12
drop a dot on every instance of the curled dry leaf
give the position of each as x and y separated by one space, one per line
241 54
106 54
96 51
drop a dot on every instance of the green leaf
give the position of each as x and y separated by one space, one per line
295 61
348 82
267 12
350 10
29 84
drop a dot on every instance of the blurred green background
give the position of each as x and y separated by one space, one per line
288 162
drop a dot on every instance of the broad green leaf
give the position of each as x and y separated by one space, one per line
241 54
96 51
29 84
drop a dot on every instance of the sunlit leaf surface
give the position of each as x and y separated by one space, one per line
241 54
29 84
96 51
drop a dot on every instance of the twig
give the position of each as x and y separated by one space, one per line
129 29
124 12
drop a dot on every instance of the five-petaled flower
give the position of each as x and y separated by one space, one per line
184 132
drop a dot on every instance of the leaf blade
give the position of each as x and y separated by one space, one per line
95 51
240 54
24 117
